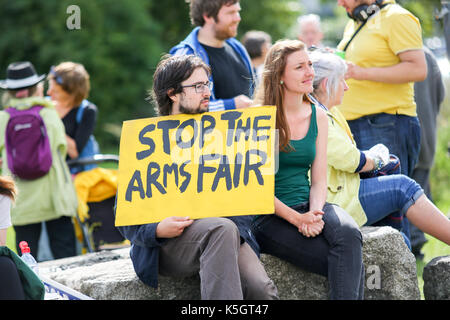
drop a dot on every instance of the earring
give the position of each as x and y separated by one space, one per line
281 82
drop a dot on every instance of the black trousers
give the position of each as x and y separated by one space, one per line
61 236
335 253
10 284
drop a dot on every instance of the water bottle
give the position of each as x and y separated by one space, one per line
27 257
340 53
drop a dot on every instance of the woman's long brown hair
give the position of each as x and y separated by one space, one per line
270 91
8 187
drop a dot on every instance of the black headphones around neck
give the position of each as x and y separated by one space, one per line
364 11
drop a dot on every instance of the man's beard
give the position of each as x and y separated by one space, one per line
223 33
198 110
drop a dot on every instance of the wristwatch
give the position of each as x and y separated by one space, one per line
378 164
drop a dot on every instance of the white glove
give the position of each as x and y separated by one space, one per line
378 152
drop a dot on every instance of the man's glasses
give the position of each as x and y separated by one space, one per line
201 86
55 75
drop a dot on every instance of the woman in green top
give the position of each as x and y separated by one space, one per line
305 230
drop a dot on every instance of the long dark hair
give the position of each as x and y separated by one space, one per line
270 92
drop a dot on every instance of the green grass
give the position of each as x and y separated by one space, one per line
11 239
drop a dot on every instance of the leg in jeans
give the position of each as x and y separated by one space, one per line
400 133
29 233
346 268
256 285
335 253
10 284
387 199
61 237
210 247
382 195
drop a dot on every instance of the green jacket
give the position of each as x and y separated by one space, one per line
52 195
343 159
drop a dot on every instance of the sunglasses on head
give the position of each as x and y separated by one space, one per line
55 75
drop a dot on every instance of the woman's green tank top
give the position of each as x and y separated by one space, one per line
291 180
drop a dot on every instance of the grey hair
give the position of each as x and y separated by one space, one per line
314 18
327 65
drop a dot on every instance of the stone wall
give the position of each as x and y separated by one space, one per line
436 278
109 275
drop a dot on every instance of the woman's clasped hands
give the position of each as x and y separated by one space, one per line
311 223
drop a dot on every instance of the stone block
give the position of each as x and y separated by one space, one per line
109 275
436 279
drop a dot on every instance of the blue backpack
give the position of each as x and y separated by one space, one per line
90 149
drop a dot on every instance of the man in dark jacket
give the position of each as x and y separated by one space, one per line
223 251
213 40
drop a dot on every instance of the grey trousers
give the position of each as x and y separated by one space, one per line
228 269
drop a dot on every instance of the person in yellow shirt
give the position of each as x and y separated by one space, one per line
384 60
383 49
368 200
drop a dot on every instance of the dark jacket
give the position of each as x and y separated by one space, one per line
429 95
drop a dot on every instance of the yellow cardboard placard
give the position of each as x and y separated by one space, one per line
213 164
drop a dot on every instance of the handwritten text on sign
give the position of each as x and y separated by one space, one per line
205 165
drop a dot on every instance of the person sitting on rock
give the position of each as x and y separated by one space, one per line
370 200
305 230
223 251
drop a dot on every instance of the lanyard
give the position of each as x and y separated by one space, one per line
317 102
354 35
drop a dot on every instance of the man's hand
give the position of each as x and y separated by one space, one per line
242 101
172 227
411 68
354 72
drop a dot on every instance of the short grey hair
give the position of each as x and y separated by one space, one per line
314 18
327 65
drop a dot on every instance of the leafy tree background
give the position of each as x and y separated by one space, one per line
120 42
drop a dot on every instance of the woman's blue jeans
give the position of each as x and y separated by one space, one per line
400 133
335 253
386 199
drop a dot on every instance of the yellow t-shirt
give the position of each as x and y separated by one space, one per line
387 33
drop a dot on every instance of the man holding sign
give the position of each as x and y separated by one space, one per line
223 251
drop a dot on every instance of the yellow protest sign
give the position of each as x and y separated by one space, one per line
212 164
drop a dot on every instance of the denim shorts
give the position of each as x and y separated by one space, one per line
388 197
